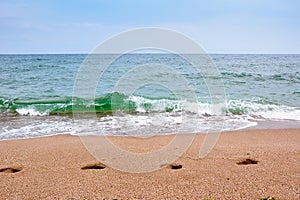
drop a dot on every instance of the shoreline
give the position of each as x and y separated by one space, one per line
261 125
60 166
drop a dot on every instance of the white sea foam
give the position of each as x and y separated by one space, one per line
265 111
152 117
31 111
36 128
251 109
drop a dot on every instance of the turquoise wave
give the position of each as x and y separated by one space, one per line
130 104
104 105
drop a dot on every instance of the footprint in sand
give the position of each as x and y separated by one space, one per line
94 166
247 162
10 170
175 166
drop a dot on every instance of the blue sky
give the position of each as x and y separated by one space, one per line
219 26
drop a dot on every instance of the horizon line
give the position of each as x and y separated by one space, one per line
209 53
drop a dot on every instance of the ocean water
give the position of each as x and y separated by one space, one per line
37 95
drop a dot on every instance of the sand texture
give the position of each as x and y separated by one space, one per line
59 167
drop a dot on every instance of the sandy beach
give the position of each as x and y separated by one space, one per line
243 165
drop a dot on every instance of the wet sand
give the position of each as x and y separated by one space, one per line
243 165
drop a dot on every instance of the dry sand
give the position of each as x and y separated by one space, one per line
51 168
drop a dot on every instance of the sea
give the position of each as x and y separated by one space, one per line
38 95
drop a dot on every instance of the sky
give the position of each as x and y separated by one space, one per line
218 26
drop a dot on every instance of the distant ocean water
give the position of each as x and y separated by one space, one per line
36 95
